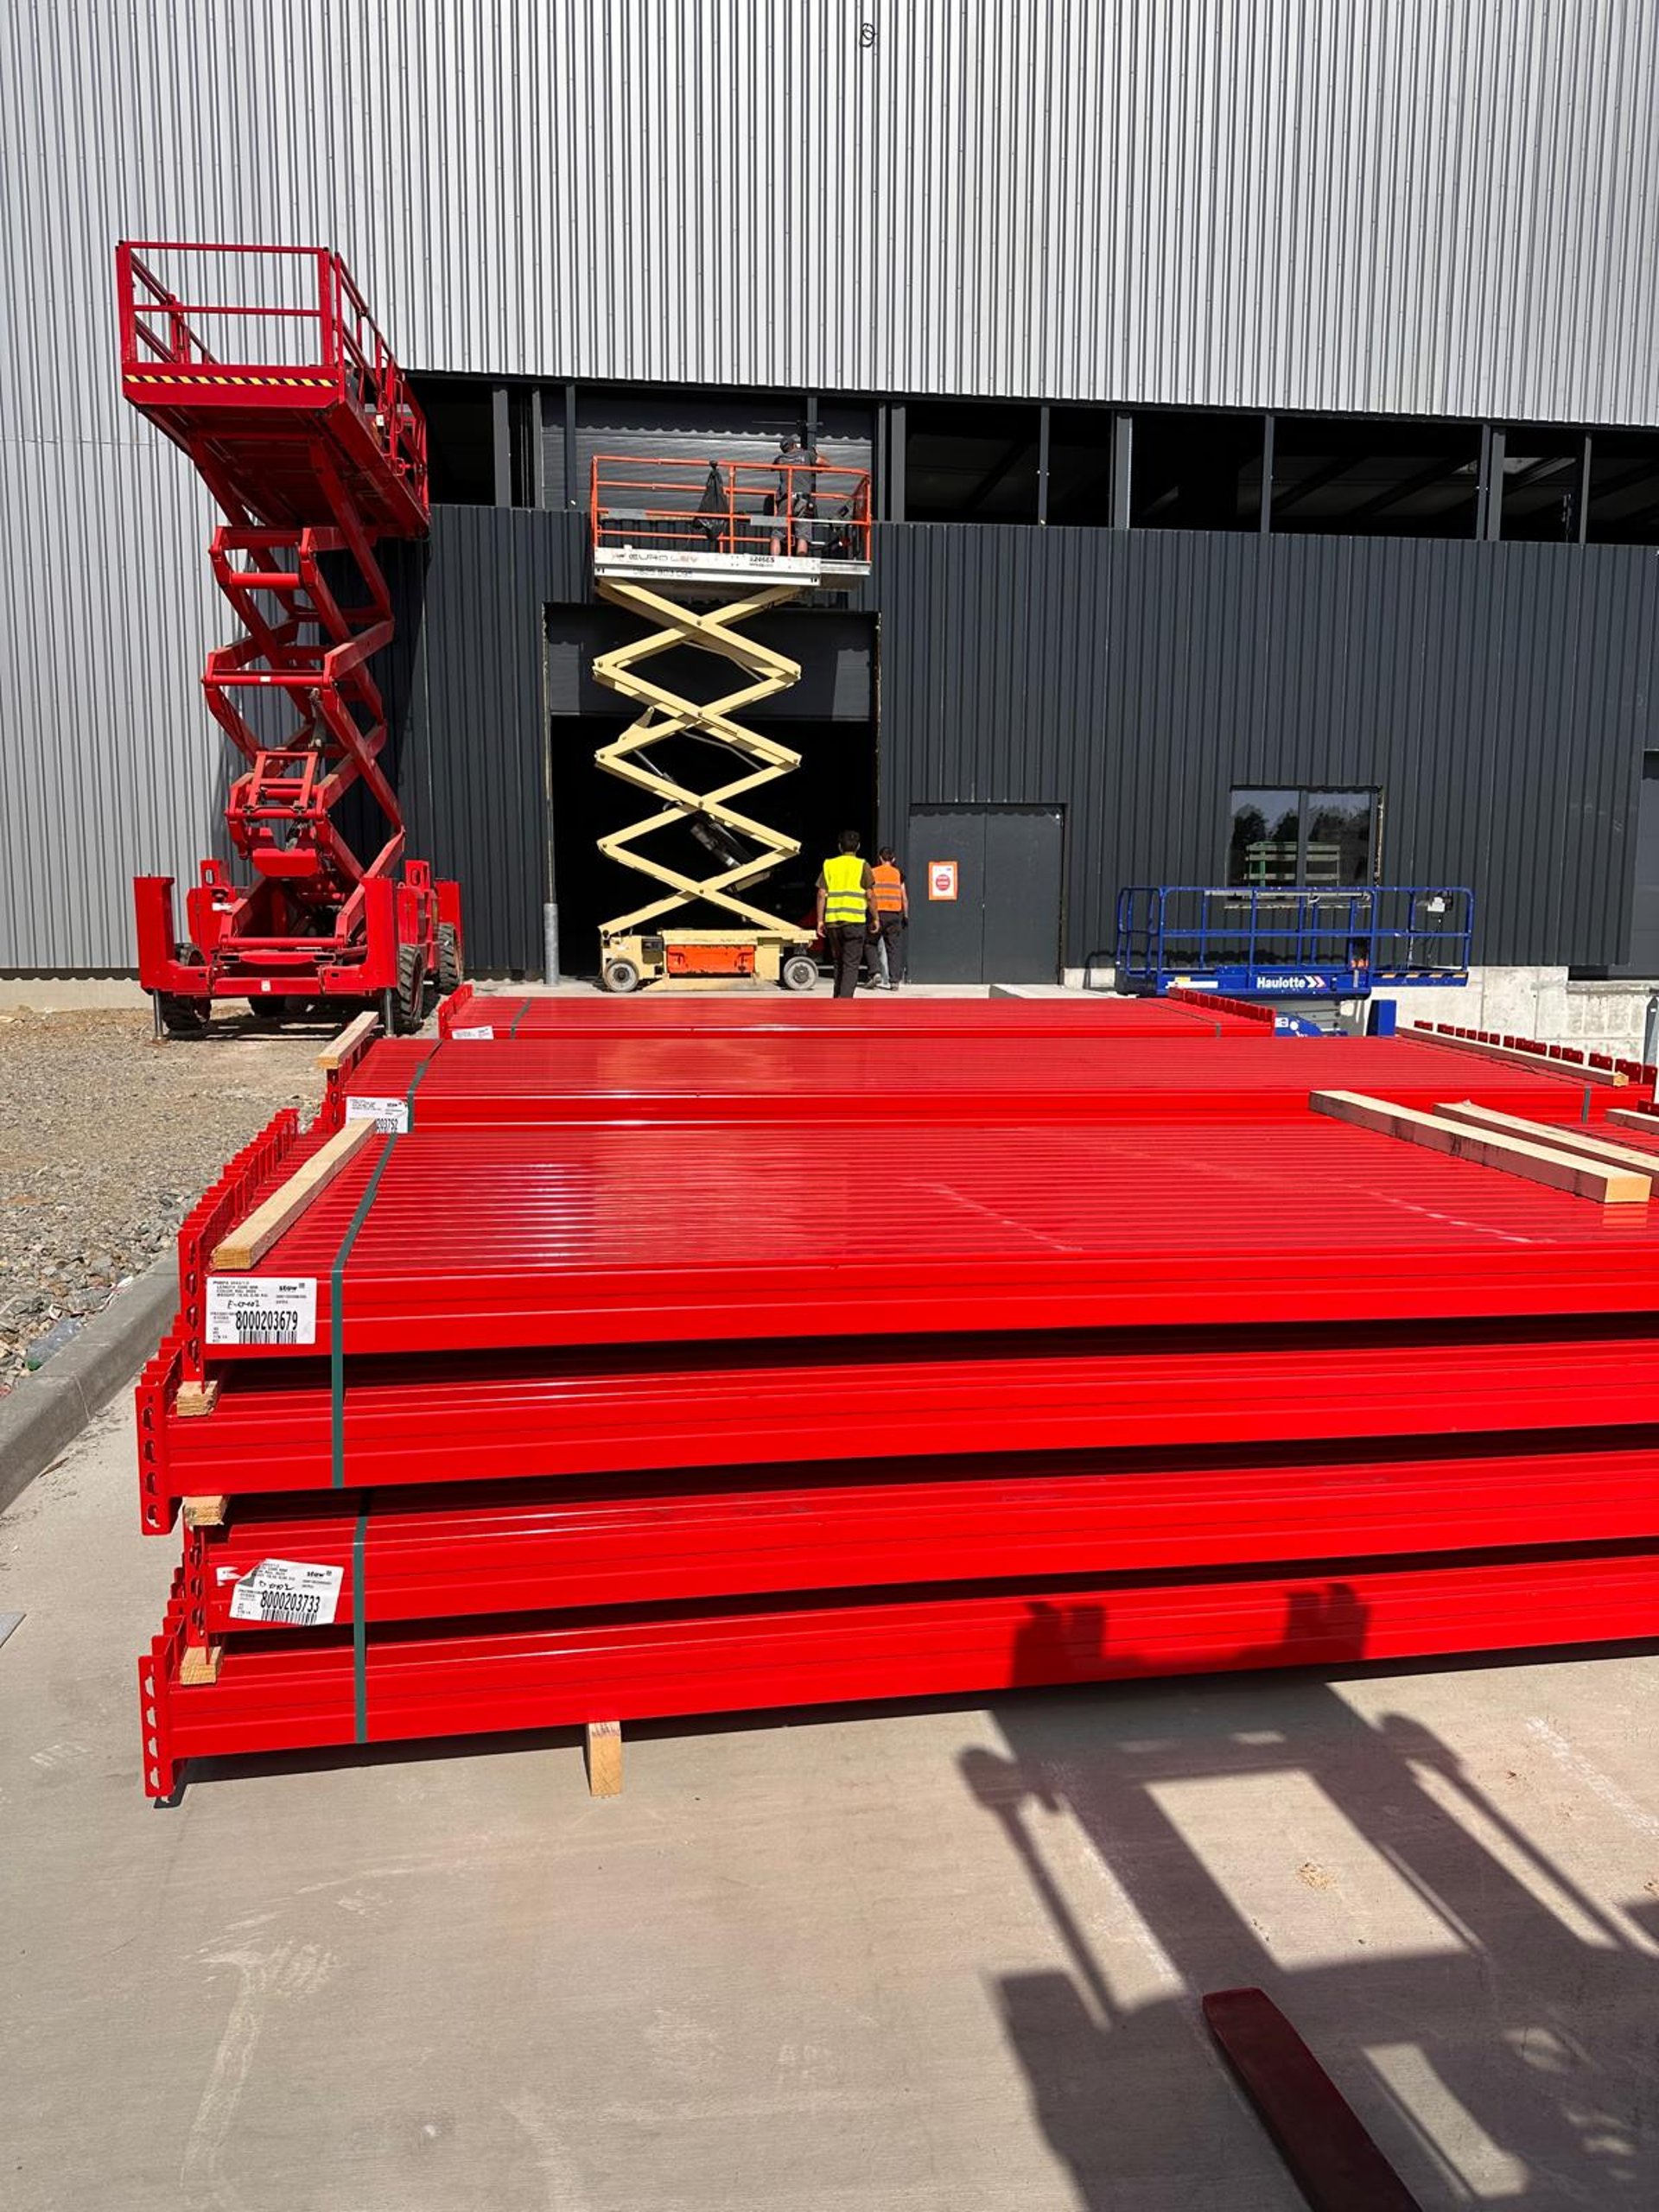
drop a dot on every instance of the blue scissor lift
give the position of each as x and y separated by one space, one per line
1291 943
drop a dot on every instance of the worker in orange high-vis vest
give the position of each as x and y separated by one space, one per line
891 898
845 910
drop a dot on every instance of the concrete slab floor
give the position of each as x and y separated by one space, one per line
941 1958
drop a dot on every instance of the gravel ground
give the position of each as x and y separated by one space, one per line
106 1140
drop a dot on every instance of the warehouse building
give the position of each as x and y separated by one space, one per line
1260 404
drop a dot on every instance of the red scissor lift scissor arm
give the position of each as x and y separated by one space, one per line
286 398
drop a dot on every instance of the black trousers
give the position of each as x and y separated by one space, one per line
845 943
892 930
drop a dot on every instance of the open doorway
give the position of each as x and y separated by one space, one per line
828 718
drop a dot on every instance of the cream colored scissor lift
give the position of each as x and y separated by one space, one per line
697 551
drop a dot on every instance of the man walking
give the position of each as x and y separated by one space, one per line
890 896
846 904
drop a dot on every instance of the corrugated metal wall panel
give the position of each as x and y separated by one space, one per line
472 717
1499 696
114 766
1441 206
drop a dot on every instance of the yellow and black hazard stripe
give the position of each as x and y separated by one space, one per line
223 375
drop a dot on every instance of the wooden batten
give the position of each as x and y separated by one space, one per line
350 1039
250 1241
1533 1163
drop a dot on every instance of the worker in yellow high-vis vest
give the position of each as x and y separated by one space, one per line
846 909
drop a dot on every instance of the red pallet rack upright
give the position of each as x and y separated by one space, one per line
280 388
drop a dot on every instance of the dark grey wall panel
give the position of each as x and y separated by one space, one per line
836 651
469 716
1498 694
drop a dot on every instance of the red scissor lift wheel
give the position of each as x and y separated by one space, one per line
276 382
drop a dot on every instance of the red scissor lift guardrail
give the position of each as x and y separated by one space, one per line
289 404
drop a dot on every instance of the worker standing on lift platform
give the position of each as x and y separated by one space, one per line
846 910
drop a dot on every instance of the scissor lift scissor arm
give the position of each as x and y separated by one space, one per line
285 396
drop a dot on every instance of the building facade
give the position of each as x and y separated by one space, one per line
1260 401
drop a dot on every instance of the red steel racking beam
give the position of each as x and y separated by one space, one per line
570 1415
470 1238
643 1541
279 1693
627 1395
806 1077
894 1015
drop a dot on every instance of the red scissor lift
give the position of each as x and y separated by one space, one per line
276 382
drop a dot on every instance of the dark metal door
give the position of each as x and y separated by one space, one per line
1022 887
1644 959
1004 864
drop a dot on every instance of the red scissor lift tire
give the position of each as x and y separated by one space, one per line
302 426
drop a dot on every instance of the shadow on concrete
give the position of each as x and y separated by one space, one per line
1502 2044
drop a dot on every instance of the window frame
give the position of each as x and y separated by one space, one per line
1302 793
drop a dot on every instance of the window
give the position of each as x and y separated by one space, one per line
1195 471
970 463
1624 489
1351 477
460 438
1543 480
1080 464
1297 835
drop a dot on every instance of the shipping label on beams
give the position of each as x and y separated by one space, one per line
262 1310
287 1593
389 1116
942 880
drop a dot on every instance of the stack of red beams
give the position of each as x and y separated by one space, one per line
666 1365
471 1016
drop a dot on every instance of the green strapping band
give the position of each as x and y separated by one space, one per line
517 1017
336 1315
336 1296
337 1381
359 1625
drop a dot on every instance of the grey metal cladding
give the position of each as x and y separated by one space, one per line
1441 206
1498 696
473 739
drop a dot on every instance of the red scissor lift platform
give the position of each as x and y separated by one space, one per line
605 1386
263 366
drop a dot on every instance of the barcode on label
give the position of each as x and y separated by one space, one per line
267 1325
473 1034
293 1608
262 1310
287 1594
